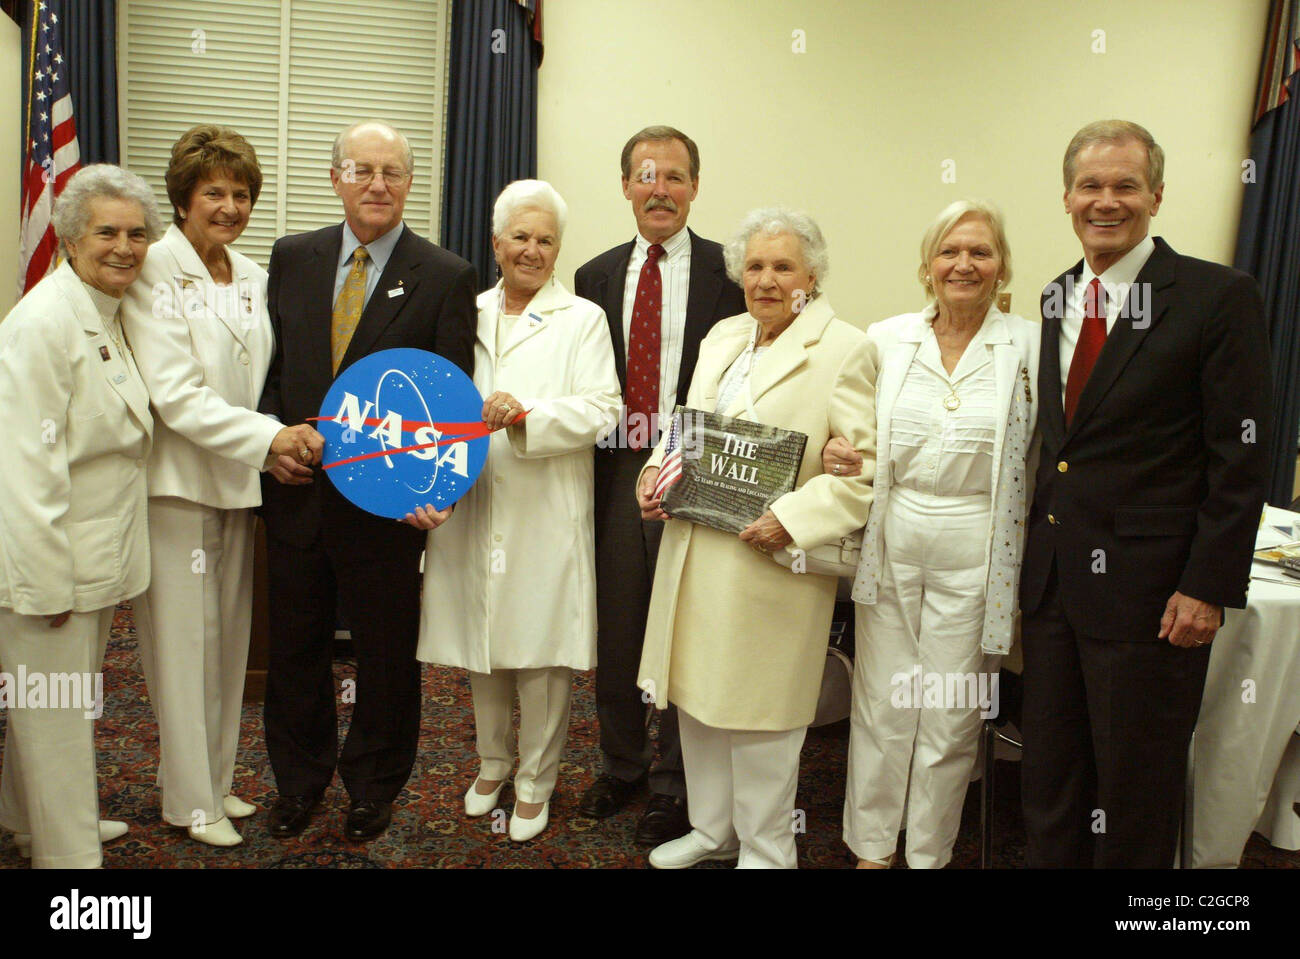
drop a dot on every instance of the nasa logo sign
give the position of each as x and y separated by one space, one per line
403 428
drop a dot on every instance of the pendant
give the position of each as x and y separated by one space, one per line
951 401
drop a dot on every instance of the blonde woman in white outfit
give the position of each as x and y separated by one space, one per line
72 507
509 581
936 587
198 322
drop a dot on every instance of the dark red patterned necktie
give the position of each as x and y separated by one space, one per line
643 351
1092 337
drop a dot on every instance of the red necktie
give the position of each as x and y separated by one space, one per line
1092 337
643 350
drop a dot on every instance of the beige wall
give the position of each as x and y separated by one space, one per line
10 165
856 129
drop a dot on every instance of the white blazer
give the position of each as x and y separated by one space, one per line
203 351
73 529
1014 344
510 578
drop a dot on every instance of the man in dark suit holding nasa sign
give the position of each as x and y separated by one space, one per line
336 295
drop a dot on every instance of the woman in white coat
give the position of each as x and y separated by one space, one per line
72 509
509 580
936 586
198 322
735 641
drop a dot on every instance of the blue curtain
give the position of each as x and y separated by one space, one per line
1268 247
491 122
90 55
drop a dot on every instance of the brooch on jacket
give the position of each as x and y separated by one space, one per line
1024 376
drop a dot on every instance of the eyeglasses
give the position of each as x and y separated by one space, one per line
363 175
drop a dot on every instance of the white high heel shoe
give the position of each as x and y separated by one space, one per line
522 830
109 829
236 808
480 804
220 833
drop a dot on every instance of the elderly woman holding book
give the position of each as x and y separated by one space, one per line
734 640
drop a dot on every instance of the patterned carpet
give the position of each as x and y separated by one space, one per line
429 827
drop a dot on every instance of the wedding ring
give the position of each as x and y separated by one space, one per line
504 408
304 454
1201 642
837 469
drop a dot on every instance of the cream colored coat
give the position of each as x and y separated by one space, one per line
73 525
510 578
731 637
203 351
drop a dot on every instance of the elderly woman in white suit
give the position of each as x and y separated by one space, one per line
73 541
936 586
736 641
509 580
198 322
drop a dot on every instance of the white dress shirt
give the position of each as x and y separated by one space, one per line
1116 282
675 274
934 449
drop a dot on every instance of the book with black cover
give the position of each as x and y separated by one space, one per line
732 469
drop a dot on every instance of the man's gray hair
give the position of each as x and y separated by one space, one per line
528 195
336 152
775 221
71 213
1116 131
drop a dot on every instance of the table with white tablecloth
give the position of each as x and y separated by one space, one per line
1247 753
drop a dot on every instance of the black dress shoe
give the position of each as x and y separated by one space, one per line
663 821
367 819
607 795
290 815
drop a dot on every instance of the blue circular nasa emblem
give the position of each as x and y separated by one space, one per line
403 428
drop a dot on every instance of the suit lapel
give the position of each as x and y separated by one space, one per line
319 299
194 276
609 297
1051 411
537 314
704 288
718 362
402 272
1131 329
119 370
790 351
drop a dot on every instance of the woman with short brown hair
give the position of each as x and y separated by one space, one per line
197 320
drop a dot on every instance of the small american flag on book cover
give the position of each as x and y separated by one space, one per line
670 470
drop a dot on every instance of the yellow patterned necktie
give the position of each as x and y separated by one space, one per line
347 311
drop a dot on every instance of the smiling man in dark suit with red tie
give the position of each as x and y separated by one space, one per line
1154 407
661 293
334 296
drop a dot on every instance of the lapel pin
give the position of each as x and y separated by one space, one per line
104 354
396 291
120 378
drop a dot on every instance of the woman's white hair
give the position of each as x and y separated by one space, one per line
775 221
72 209
943 224
529 195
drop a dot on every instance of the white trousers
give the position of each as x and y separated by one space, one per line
543 726
47 784
193 627
907 752
740 787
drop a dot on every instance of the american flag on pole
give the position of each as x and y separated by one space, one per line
50 148
670 470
